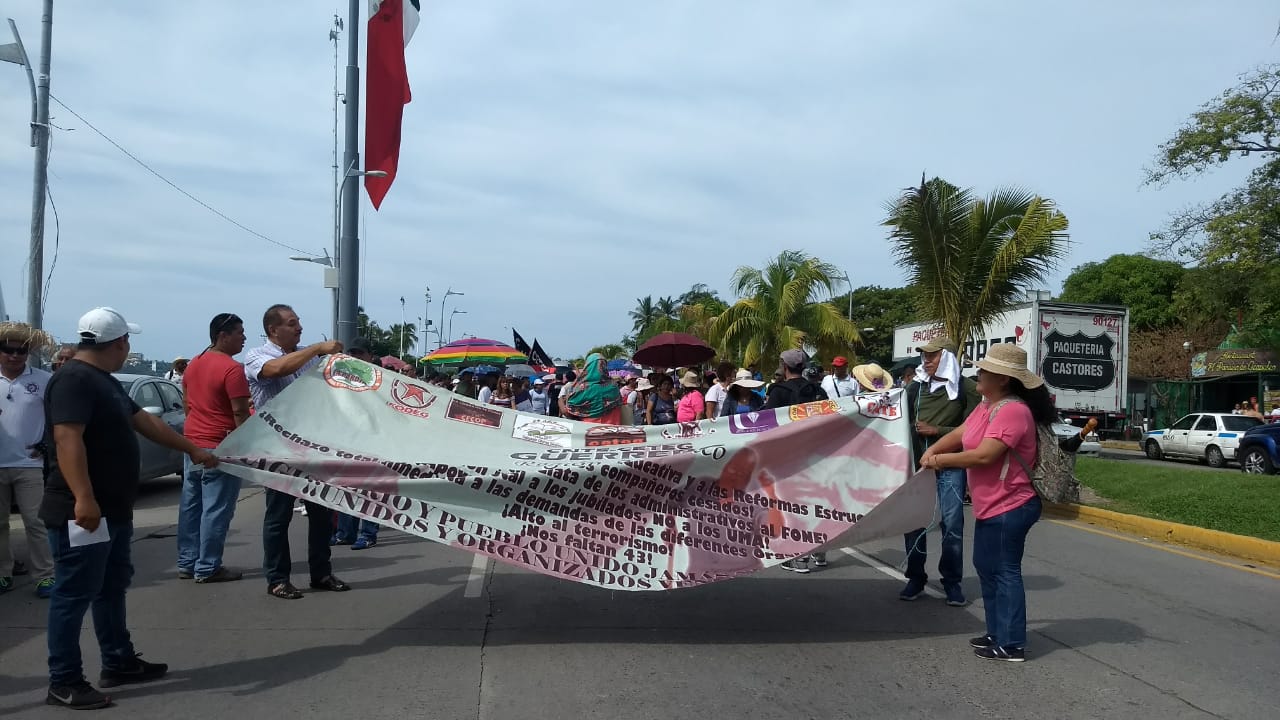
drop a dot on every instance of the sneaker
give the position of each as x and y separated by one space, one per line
995 652
222 574
339 540
44 588
364 543
6 584
955 598
798 565
985 641
819 559
300 509
135 670
913 590
78 695
185 574
19 568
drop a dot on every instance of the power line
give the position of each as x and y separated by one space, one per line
174 185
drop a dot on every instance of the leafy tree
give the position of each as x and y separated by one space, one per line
668 308
1244 224
971 258
879 310
611 351
783 305
402 336
645 316
1143 284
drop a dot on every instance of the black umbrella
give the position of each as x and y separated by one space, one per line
673 349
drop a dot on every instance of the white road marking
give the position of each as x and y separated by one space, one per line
887 570
475 581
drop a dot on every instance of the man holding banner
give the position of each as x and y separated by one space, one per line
270 369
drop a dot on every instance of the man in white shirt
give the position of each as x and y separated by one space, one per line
841 383
715 398
22 427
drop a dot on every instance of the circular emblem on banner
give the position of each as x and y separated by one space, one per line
347 373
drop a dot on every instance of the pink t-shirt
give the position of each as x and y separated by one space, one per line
1013 426
690 406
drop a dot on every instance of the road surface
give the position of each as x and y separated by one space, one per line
1119 628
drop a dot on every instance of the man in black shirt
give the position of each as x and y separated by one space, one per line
93 481
796 389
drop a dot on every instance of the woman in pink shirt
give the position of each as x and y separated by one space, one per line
1005 504
691 404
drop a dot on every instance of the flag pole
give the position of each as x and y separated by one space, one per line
349 242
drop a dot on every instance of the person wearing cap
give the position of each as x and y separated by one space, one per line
92 483
216 400
872 378
839 383
794 389
22 454
741 396
538 397
270 369
1005 504
466 383
938 399
691 405
176 369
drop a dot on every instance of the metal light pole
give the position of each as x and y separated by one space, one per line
444 301
334 34
403 324
423 321
455 312
349 241
15 53
846 280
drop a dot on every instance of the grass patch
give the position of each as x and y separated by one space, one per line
1228 501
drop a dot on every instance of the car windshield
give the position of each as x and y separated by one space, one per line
1238 423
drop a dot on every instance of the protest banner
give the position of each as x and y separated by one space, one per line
627 508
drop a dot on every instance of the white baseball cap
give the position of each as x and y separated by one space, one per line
103 325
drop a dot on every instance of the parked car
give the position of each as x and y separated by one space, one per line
1063 429
164 400
1212 437
1259 450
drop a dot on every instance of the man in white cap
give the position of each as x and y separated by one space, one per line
92 483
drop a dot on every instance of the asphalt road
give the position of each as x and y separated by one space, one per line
1119 628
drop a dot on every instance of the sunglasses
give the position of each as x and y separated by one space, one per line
229 321
8 350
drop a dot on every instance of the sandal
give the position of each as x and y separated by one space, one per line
330 583
285 591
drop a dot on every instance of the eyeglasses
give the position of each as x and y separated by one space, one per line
8 350
230 320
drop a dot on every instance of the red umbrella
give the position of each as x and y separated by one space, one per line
673 349
392 362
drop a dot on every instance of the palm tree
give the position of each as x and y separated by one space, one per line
972 258
784 305
645 316
410 336
612 351
668 308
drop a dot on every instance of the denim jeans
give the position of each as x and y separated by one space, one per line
951 487
351 527
276 562
90 575
204 514
997 556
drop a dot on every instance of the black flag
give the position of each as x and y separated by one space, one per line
538 356
521 346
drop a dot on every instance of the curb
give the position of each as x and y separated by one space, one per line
1240 546
1134 445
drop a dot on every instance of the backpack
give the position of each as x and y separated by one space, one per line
1053 474
797 391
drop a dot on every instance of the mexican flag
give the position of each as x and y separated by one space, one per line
391 25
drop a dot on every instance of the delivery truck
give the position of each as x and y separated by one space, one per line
1081 351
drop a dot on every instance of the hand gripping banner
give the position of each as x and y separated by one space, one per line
626 508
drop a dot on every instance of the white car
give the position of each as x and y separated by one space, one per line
1063 429
1212 437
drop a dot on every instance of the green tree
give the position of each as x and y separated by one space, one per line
1143 284
645 315
1242 225
668 308
879 310
612 351
402 336
971 258
785 304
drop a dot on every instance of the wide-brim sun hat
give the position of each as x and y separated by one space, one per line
19 333
872 377
643 385
1009 360
745 379
690 380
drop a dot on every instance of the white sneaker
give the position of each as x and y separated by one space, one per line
798 565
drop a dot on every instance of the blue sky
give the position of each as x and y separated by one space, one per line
561 159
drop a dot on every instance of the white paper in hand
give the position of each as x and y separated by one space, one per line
78 536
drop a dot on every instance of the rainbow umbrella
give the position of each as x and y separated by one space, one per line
473 351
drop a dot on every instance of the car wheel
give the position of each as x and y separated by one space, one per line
1256 462
1213 455
1153 450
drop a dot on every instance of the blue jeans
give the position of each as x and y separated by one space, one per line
351 527
951 485
997 556
90 575
204 514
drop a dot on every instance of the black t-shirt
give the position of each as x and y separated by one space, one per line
81 394
795 391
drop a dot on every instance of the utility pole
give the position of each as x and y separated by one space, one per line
426 313
40 182
15 53
349 241
334 34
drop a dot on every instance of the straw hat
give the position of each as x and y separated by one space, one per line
872 377
1010 360
690 380
19 333
746 380
643 385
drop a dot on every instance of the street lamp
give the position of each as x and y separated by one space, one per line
424 322
455 312
443 302
325 261
336 285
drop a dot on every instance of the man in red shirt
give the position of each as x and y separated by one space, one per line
216 396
